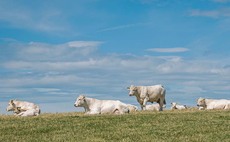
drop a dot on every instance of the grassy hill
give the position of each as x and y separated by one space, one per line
189 125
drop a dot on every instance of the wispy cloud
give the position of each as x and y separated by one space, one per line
47 20
124 26
223 12
221 1
168 50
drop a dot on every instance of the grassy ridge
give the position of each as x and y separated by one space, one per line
190 125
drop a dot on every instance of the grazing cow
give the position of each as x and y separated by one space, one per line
132 108
203 103
95 106
146 94
22 108
176 106
153 107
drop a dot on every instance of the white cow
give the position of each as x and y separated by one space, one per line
22 108
203 103
20 112
132 108
153 107
146 94
95 106
176 106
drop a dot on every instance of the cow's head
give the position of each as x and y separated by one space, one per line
17 110
11 106
173 105
132 90
201 102
80 101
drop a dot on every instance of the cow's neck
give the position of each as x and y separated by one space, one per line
17 103
138 93
207 101
89 101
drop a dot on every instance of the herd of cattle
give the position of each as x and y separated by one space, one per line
143 95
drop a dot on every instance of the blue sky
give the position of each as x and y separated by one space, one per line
50 52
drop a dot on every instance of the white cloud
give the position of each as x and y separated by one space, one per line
221 1
169 50
48 20
124 26
81 44
35 51
223 12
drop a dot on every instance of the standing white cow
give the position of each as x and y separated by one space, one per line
146 94
95 106
22 108
174 105
203 103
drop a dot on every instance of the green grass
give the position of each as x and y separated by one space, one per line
172 126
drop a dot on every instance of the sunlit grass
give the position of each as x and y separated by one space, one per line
188 125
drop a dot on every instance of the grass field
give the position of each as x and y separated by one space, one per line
172 126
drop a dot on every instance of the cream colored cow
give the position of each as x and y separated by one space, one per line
23 108
174 105
144 94
203 103
153 107
95 106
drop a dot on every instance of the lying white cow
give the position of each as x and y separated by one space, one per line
203 103
20 112
22 108
95 106
176 106
146 94
153 107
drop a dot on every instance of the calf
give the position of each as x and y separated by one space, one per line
176 106
153 107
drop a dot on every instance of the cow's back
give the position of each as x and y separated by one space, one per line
218 104
155 92
27 105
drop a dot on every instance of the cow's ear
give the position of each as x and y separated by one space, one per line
202 99
11 101
128 88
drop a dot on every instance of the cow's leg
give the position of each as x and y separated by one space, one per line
120 110
144 103
21 114
141 107
92 112
161 104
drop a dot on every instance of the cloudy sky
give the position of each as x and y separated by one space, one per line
52 51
